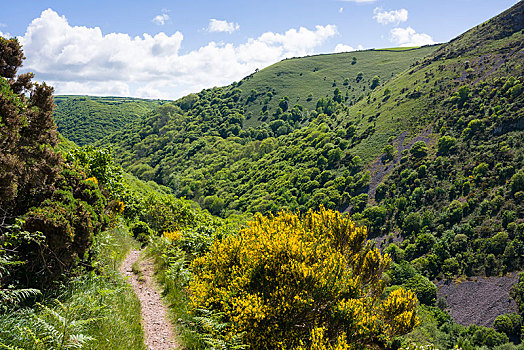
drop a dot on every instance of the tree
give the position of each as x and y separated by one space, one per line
337 95
375 82
28 163
284 103
446 145
389 152
517 181
285 278
510 324
425 289
419 149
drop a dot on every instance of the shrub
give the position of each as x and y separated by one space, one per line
517 182
425 289
286 279
141 231
510 324
446 145
419 149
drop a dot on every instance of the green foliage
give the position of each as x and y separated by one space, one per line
50 212
419 149
374 82
85 119
141 231
69 220
92 312
98 163
425 290
284 277
446 145
517 181
509 324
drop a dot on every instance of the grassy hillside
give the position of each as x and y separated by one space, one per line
305 80
85 119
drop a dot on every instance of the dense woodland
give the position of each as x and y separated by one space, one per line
238 194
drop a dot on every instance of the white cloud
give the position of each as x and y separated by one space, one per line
161 19
216 25
5 35
343 48
409 37
387 17
83 60
340 10
3 25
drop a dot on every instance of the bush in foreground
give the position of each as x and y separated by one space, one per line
291 281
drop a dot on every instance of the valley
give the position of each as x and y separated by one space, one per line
367 199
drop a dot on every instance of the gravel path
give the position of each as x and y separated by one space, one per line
158 331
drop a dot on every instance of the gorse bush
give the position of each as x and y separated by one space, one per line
288 278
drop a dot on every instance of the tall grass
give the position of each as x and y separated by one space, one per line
172 272
93 311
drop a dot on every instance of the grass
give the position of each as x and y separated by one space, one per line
98 311
172 273
305 80
401 111
137 270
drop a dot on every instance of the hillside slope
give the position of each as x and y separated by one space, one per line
433 157
85 119
307 79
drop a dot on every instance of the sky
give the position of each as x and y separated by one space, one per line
166 49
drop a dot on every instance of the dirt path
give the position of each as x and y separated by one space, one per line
158 331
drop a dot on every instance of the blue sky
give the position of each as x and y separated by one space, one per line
166 49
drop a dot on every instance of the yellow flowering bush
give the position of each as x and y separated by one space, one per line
302 281
93 180
172 235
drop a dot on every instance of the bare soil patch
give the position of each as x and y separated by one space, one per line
478 300
158 331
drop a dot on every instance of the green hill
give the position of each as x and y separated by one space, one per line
85 119
205 146
305 80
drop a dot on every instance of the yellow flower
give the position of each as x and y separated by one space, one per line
93 180
173 236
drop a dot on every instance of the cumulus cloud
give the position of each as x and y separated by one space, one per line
409 37
387 17
83 60
216 25
161 19
340 10
347 48
343 48
5 35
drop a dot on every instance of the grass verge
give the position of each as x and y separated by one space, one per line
172 272
92 311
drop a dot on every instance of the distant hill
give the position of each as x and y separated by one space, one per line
307 79
85 119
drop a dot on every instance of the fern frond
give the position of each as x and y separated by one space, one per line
77 341
10 298
9 347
